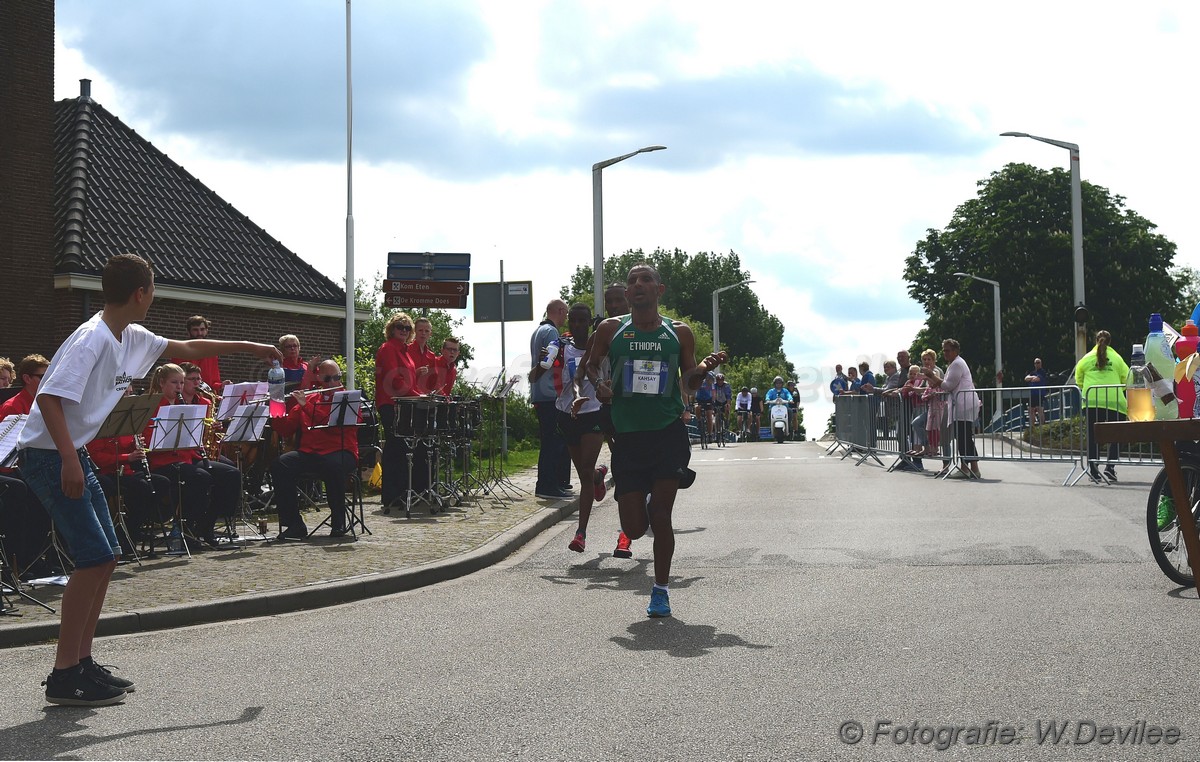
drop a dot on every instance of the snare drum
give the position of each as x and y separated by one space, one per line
446 415
415 417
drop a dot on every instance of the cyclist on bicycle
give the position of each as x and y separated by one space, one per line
742 406
722 396
704 402
756 408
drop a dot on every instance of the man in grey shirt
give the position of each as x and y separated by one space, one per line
554 464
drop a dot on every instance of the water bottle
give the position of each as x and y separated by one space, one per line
1137 387
275 384
551 352
1160 367
1185 388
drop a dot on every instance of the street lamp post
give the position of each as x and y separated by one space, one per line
996 316
717 314
598 223
1076 236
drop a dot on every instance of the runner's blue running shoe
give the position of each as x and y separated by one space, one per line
660 603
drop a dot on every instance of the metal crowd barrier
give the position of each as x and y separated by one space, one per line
1032 424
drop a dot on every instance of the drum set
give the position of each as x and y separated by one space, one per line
438 432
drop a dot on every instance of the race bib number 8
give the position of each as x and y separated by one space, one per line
645 376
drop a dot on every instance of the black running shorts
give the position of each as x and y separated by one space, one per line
573 429
642 457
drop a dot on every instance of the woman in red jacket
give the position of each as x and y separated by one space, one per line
395 376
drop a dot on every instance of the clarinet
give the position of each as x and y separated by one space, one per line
142 467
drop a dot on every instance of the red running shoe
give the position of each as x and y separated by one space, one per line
599 489
623 550
578 543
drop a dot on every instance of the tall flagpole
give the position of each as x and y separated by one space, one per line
349 379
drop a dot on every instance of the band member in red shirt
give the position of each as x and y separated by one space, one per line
395 376
142 492
210 367
295 370
30 372
330 452
208 488
446 367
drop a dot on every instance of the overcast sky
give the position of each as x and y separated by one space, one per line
817 142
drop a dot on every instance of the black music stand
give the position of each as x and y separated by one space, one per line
178 433
345 414
129 417
246 425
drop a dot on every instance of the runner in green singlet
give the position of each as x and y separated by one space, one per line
650 358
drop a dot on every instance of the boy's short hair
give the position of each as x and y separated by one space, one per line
123 275
30 365
196 320
189 367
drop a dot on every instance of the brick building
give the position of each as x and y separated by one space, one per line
77 186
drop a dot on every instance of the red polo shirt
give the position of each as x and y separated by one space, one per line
316 411
18 405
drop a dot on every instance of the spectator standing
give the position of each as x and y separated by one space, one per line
855 381
867 384
1038 382
840 383
554 464
964 404
1101 367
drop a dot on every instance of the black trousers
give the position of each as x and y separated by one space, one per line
145 499
395 460
1100 415
332 468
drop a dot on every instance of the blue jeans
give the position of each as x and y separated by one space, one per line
84 523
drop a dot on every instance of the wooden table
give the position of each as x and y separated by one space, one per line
1165 434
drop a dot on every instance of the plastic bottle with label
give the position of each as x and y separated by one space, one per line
1185 389
1138 398
551 352
1160 366
275 390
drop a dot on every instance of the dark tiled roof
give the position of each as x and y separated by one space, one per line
115 192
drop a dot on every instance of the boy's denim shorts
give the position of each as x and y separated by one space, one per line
84 523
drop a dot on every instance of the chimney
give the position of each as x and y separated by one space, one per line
85 88
27 180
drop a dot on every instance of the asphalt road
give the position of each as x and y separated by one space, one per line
808 593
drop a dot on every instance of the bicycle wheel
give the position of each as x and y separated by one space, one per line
1166 539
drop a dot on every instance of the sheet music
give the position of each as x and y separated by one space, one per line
10 430
179 427
237 395
248 424
345 414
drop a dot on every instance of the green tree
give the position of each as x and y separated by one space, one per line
747 329
1017 231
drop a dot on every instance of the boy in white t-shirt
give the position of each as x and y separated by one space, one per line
87 376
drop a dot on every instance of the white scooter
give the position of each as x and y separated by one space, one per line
779 419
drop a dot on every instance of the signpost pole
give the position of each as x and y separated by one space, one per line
504 370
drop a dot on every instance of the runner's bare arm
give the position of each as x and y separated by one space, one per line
692 373
598 353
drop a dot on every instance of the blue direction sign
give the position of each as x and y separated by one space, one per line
406 265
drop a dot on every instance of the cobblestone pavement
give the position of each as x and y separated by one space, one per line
395 544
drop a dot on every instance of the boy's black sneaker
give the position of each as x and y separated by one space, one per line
102 674
77 688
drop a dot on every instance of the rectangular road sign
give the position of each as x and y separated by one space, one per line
518 302
447 287
414 265
435 301
434 272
